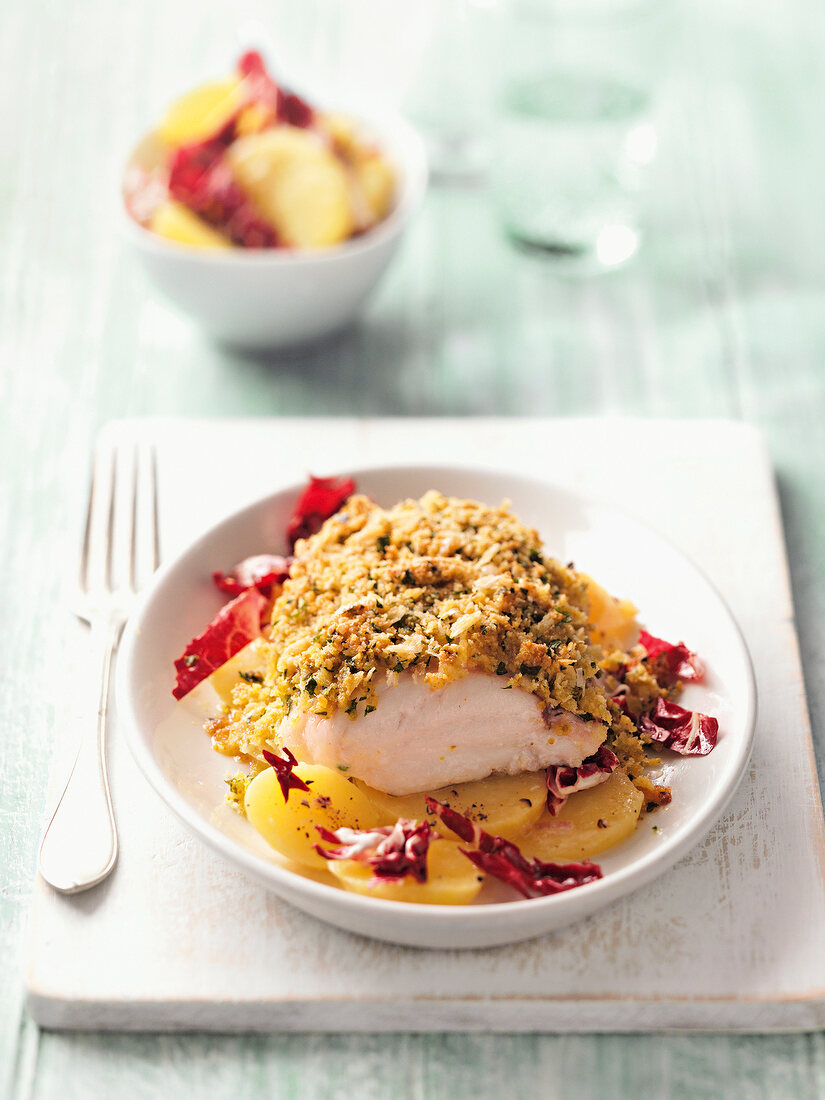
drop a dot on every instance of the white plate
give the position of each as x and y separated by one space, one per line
675 601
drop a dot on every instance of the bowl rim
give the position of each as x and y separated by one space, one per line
522 918
413 170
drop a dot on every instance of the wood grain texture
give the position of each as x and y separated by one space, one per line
721 315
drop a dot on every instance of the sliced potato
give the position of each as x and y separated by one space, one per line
177 223
342 131
253 119
504 805
575 832
200 113
376 180
451 879
613 621
296 184
249 660
373 178
332 801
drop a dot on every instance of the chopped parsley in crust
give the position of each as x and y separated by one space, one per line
438 586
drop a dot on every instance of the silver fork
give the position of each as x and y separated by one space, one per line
120 551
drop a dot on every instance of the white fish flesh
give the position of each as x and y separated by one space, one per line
419 738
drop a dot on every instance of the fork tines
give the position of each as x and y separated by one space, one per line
121 546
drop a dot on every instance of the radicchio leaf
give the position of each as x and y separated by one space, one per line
620 699
532 877
503 860
673 662
392 851
283 769
261 88
686 732
236 625
321 499
262 571
294 110
200 178
563 780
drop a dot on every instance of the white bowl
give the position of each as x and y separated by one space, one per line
675 600
272 298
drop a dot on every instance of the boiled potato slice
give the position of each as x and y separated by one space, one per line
253 119
451 879
289 827
376 180
373 176
342 131
613 621
575 832
200 113
504 805
296 184
251 659
175 222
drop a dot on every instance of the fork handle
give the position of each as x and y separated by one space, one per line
79 846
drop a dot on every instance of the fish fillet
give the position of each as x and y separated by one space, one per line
419 738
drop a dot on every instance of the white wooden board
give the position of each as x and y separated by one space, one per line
731 938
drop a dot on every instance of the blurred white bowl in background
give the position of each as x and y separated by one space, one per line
275 298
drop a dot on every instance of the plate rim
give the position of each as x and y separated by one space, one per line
286 883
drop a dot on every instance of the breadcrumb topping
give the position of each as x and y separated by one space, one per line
439 586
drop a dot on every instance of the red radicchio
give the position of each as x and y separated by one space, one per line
261 88
685 731
251 582
321 499
200 178
283 769
294 110
258 84
262 571
674 662
562 780
503 860
236 625
621 702
392 851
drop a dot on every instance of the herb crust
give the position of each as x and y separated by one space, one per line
437 586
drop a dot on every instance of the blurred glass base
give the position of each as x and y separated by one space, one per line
613 246
571 149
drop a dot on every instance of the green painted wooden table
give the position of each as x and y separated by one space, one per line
722 314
